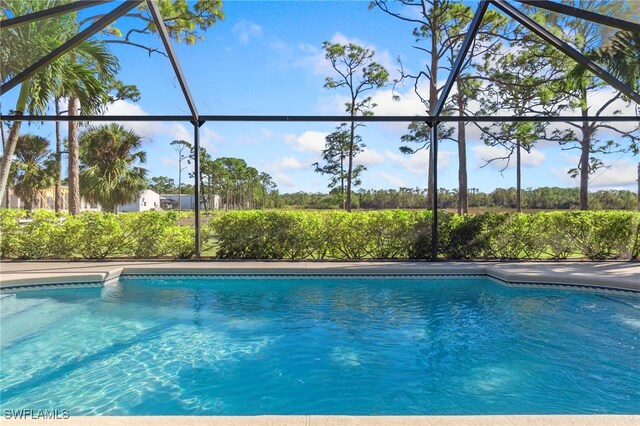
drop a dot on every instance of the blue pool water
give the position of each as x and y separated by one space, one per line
248 346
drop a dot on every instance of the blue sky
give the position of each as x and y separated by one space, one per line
266 57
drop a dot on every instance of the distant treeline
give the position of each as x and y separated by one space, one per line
264 195
407 198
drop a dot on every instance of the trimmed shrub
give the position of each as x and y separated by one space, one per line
602 234
65 241
100 235
268 235
467 237
180 241
350 234
146 233
10 230
388 234
419 246
393 234
36 235
239 235
515 236
559 243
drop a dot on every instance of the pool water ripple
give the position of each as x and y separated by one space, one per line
334 346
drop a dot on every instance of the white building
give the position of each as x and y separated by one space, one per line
185 201
188 201
147 200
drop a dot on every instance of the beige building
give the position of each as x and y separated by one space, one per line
45 199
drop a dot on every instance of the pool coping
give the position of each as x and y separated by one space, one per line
586 276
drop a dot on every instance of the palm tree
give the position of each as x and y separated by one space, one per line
33 169
622 57
109 174
82 78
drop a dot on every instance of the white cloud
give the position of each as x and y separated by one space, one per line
418 163
170 166
208 138
381 56
310 141
623 173
302 55
251 139
600 98
312 57
415 163
332 104
246 30
282 179
485 153
369 157
122 107
394 181
596 101
561 175
280 168
169 161
291 163
408 104
535 158
571 159
162 131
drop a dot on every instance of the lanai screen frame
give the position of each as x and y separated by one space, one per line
432 121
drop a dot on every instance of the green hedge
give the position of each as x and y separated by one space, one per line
401 234
391 234
93 235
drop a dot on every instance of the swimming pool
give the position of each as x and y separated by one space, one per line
310 345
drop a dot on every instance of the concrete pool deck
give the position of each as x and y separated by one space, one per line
581 275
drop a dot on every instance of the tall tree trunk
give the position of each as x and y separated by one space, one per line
180 181
584 172
342 180
585 150
74 163
433 100
463 195
203 187
28 202
6 194
10 147
638 193
518 178
59 202
350 162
